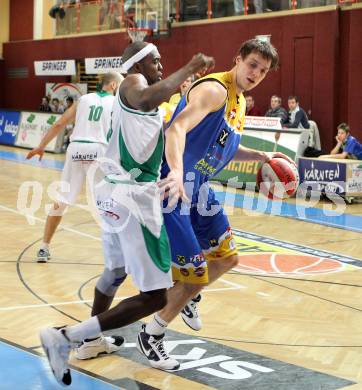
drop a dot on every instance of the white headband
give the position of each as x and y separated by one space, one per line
138 56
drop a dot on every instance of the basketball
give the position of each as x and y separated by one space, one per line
278 179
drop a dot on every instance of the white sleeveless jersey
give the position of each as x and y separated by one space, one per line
132 165
93 118
135 142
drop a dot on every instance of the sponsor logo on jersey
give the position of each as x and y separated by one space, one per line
222 138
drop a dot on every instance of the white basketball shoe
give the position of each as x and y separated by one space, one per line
100 346
190 314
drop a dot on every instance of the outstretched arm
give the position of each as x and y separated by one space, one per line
144 97
247 154
338 155
67 118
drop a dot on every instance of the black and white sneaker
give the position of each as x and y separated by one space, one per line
57 347
190 314
154 350
43 255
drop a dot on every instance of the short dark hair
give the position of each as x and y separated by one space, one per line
344 126
265 49
293 97
69 99
55 100
277 97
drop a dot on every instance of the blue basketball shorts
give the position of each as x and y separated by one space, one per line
197 235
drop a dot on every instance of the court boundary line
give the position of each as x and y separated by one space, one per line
32 351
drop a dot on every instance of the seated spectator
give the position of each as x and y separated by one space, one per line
69 101
298 118
276 109
56 107
251 109
174 99
44 106
347 146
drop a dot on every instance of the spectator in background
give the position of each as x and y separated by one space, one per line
59 8
276 109
69 101
251 109
347 146
56 107
44 106
298 118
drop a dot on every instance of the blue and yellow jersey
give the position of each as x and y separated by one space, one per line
213 142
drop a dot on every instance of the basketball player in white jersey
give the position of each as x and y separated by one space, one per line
134 237
92 117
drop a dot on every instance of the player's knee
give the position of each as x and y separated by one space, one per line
109 281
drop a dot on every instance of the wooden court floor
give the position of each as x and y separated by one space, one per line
285 319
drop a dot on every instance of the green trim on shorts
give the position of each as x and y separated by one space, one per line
158 248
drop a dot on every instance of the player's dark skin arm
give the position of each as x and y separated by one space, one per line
143 91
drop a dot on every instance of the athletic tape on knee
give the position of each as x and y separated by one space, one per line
109 281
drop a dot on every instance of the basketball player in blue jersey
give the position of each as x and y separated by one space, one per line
203 137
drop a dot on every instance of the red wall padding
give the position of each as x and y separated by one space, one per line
2 83
329 43
21 20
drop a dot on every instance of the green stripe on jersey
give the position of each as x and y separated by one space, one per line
137 112
150 168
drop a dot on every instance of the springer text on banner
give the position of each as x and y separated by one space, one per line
103 65
55 68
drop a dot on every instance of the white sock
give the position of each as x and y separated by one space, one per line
157 326
44 245
88 329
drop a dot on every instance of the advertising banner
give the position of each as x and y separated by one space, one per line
9 125
103 65
55 68
33 126
63 90
354 179
323 175
262 122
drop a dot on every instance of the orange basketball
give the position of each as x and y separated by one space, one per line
278 179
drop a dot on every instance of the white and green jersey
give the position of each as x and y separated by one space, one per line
135 143
93 118
128 197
